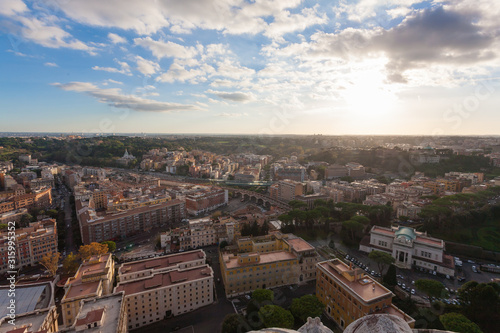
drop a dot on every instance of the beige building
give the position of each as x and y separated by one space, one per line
410 248
288 190
164 294
349 294
37 321
149 267
267 262
94 278
104 314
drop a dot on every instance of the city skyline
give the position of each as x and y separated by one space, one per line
244 67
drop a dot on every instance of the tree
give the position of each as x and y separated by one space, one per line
70 264
26 219
234 323
353 229
383 259
92 249
216 215
3 226
432 288
297 204
111 245
223 244
276 316
457 322
50 261
390 277
481 303
361 219
306 306
262 295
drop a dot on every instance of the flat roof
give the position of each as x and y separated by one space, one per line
265 258
164 279
365 287
161 262
26 299
300 245
108 306
79 288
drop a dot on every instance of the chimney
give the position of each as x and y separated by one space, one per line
373 286
350 265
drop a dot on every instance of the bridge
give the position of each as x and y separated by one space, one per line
259 199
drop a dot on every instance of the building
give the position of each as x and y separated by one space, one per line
94 278
206 201
164 294
349 294
103 314
126 158
410 248
32 243
288 190
37 199
267 262
148 267
311 198
38 321
336 171
296 173
100 227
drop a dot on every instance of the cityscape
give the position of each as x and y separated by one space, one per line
260 166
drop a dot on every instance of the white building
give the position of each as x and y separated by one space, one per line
410 248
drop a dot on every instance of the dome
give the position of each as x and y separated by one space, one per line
408 233
379 323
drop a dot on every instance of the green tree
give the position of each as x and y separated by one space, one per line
390 277
457 322
3 226
262 295
26 219
481 303
234 323
223 244
383 260
353 229
361 219
431 288
276 316
306 306
297 204
70 264
111 245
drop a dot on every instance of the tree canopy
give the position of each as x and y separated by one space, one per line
92 249
432 288
457 322
276 316
383 260
70 264
306 306
111 245
50 261
261 295
234 323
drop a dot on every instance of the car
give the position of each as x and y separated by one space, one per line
247 296
399 283
471 261
347 256
412 282
434 273
413 291
400 276
461 279
373 273
403 286
474 269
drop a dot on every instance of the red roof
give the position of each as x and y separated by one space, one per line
91 317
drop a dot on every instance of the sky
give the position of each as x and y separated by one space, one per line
265 67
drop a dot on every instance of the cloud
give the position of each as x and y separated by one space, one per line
51 64
116 39
12 7
161 49
146 67
285 22
236 96
231 115
115 98
114 81
124 68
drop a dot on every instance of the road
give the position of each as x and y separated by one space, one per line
70 245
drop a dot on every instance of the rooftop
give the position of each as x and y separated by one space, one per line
32 321
161 262
232 261
365 287
299 244
77 287
164 279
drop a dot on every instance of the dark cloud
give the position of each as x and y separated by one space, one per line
232 96
434 36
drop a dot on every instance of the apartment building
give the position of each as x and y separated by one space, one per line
101 314
410 248
296 173
32 243
349 294
206 201
37 199
165 294
94 278
100 227
149 267
288 190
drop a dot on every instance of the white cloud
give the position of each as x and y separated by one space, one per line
285 22
146 67
162 49
114 81
115 98
116 39
12 7
51 64
124 68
